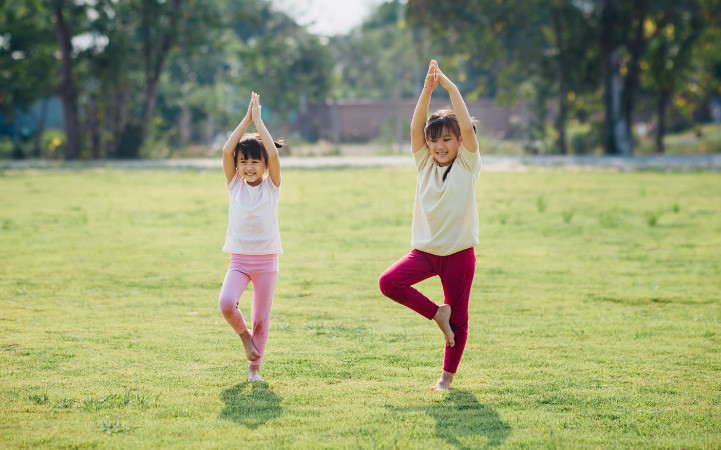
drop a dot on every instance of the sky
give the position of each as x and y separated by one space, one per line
327 17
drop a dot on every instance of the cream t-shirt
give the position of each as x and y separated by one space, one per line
253 218
445 218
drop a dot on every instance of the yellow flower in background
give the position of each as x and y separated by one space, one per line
55 143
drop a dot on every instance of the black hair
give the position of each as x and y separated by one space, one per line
444 119
251 147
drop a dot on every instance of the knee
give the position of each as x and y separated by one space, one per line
227 305
386 284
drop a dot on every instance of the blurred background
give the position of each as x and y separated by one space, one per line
97 79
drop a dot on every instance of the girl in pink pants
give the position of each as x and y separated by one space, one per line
253 238
445 219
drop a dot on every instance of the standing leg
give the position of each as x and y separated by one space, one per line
456 273
263 290
233 286
457 278
396 282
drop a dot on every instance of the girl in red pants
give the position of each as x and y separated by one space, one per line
445 219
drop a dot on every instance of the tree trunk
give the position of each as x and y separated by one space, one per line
184 125
155 57
119 112
661 121
617 140
67 90
631 82
93 126
561 77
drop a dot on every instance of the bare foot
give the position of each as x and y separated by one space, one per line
444 382
442 318
250 351
254 372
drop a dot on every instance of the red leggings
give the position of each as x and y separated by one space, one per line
456 273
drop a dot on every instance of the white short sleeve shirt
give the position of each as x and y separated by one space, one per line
253 218
445 217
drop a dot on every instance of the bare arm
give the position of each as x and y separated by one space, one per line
470 142
418 123
228 160
267 139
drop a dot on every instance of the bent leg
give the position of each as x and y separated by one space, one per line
457 277
396 282
233 286
263 290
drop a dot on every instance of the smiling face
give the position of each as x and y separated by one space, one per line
251 170
251 159
444 147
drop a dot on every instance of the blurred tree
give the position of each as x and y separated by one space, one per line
187 95
282 61
379 59
704 84
153 35
68 16
519 49
623 44
28 70
672 29
105 68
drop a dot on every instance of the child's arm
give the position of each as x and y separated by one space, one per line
470 142
267 139
418 123
229 166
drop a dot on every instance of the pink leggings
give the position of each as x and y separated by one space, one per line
262 271
456 272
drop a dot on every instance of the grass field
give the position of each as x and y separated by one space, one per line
595 315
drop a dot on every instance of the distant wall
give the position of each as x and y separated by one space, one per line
363 120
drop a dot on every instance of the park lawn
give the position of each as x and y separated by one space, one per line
595 318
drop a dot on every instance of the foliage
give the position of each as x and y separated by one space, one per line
27 54
535 51
380 59
175 74
282 61
140 53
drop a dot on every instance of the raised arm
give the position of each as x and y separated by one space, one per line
470 141
267 139
229 166
420 115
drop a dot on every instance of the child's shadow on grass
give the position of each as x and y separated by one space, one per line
251 404
460 417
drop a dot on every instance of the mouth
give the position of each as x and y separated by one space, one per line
441 153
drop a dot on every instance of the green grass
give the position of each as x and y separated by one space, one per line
595 315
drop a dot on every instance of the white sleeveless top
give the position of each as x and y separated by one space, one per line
445 218
253 218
